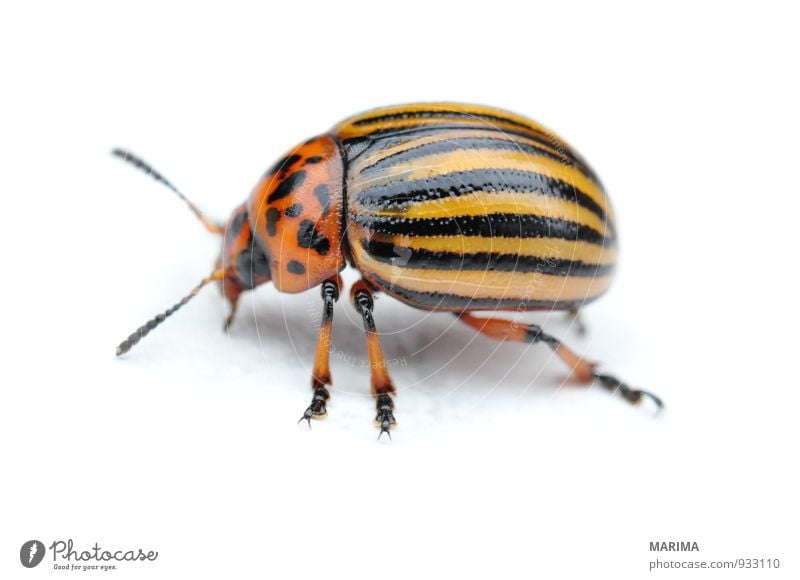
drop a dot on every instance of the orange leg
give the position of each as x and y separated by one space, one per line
231 291
321 375
586 371
382 386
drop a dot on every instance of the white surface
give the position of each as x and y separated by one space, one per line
189 444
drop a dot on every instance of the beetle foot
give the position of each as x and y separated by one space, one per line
385 417
317 408
633 396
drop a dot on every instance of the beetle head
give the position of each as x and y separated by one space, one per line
244 261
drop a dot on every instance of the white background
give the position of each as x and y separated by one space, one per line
499 467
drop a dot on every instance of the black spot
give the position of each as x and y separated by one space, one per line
308 237
284 164
293 210
286 186
321 191
314 159
295 267
273 215
252 265
236 224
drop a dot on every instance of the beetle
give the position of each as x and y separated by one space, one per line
446 207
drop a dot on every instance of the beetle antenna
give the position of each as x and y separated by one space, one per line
143 330
129 157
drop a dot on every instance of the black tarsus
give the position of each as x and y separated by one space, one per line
385 417
633 396
317 407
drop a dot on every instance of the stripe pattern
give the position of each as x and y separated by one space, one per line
464 207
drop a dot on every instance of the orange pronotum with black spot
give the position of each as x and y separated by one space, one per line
446 207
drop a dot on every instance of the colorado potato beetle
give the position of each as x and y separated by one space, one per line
445 207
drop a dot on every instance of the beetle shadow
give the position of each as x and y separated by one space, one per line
430 353
446 358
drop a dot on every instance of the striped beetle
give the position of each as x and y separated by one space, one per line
446 207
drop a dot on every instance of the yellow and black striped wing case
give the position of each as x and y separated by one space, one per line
465 207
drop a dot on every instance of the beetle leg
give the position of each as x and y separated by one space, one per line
229 319
230 290
574 316
321 375
586 371
382 386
